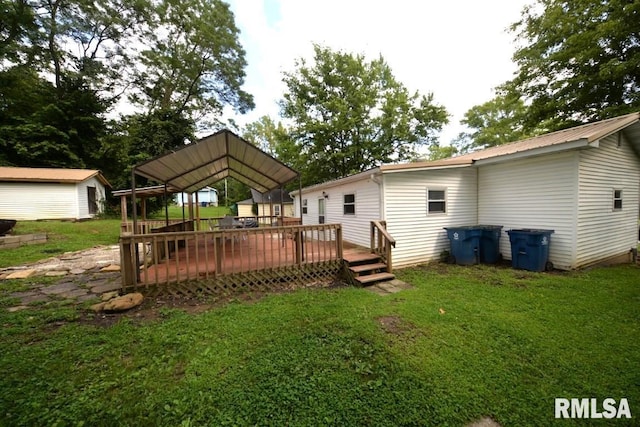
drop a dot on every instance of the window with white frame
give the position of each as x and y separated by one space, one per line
617 200
436 201
304 206
349 205
276 210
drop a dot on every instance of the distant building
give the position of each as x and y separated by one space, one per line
207 196
51 193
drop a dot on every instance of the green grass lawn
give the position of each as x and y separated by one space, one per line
175 212
465 342
62 236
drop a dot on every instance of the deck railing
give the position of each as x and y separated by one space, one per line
382 242
147 225
245 255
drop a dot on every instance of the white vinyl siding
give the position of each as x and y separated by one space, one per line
33 201
355 228
421 237
603 231
83 200
540 193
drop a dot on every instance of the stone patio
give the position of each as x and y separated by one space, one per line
84 275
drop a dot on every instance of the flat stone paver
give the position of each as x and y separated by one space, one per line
59 289
111 267
22 274
34 298
55 273
75 293
107 287
389 287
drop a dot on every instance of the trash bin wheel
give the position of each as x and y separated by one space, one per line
548 266
451 259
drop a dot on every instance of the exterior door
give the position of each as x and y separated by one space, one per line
320 211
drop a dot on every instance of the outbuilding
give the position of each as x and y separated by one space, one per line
583 183
50 193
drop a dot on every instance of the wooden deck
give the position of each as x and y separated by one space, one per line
234 257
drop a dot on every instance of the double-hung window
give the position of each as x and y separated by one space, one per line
349 205
436 201
617 200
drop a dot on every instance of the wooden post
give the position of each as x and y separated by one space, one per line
339 242
128 266
123 214
197 224
297 235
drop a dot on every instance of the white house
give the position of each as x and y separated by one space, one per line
206 195
46 193
583 183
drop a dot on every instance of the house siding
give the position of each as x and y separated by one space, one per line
420 237
603 232
539 193
83 198
33 201
355 228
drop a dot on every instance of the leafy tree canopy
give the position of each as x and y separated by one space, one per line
65 63
578 62
349 115
493 123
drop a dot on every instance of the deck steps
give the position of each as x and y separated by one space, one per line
357 258
363 268
370 279
367 268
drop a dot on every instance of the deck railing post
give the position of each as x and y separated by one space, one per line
339 242
129 276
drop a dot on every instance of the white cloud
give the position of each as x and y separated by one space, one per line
458 50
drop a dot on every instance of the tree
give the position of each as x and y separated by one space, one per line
350 115
41 125
495 122
579 61
195 63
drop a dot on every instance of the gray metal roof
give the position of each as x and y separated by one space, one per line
274 196
215 157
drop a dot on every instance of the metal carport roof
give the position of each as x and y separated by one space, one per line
215 157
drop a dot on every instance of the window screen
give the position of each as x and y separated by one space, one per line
349 207
436 201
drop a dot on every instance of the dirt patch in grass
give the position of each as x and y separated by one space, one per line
395 325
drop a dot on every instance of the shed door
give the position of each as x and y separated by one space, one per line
320 211
91 197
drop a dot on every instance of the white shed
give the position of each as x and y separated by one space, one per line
48 193
207 195
582 182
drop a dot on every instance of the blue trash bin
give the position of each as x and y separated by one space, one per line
465 244
530 249
490 244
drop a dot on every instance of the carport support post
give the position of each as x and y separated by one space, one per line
135 277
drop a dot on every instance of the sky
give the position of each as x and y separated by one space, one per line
458 50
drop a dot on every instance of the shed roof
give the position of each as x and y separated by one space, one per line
221 155
273 196
17 174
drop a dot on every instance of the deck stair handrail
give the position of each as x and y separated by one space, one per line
382 242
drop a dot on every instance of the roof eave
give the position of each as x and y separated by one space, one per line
550 149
